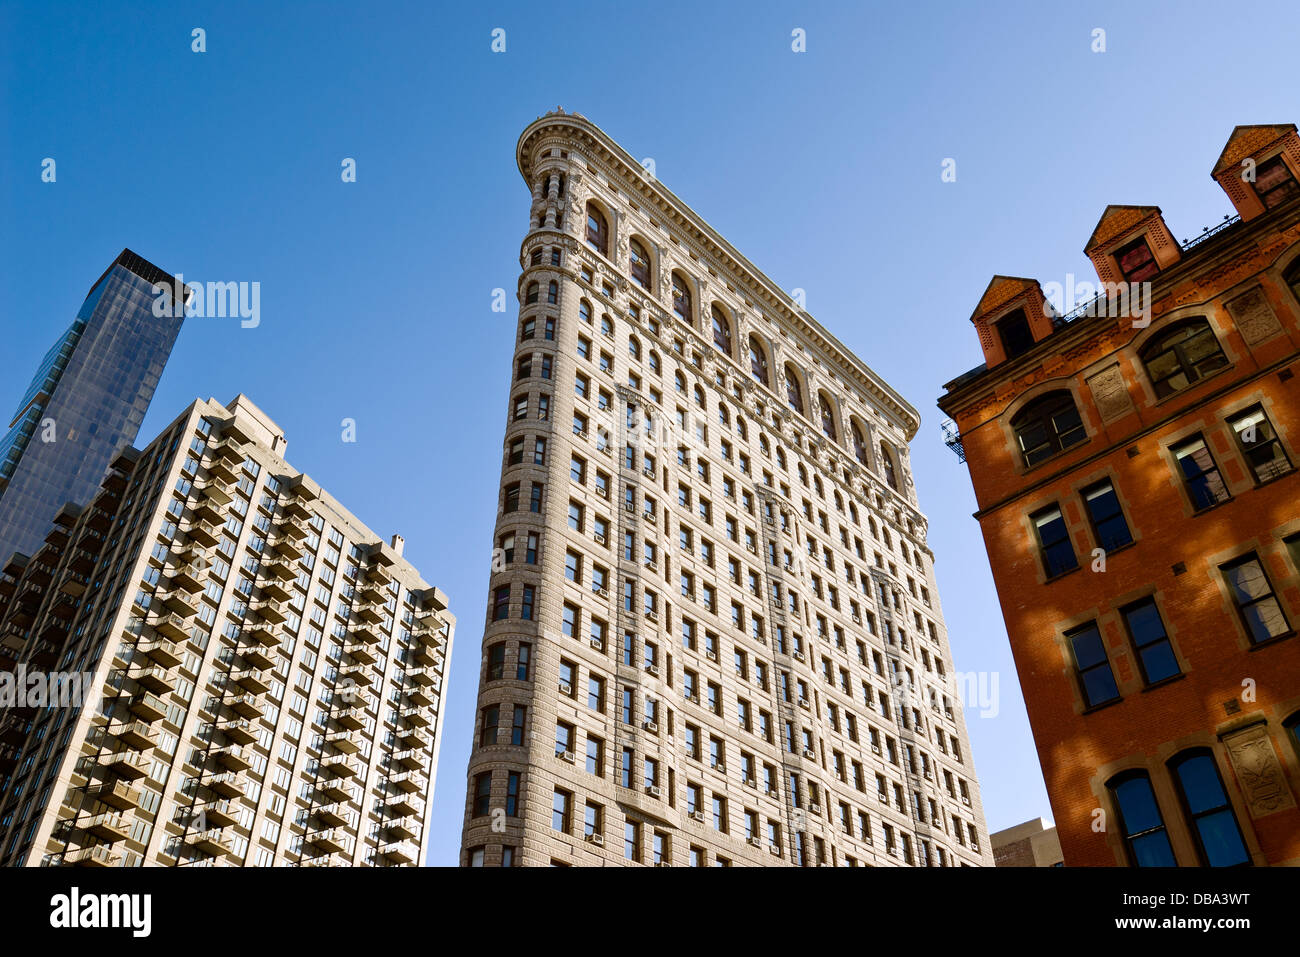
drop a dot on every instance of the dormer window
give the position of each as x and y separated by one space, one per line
1274 183
1017 339
1136 261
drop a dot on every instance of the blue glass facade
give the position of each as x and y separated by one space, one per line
85 403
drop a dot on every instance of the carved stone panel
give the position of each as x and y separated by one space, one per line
1258 770
1110 393
1254 316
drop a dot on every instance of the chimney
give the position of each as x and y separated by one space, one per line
398 543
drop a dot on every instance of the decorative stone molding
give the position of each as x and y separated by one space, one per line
1110 392
1254 316
1258 770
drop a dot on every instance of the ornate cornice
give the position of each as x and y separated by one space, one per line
572 129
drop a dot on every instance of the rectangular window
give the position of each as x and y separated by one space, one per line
1095 675
1107 517
1257 605
1259 445
1054 542
1200 474
1154 650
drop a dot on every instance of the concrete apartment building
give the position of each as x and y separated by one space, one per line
713 635
1031 844
1135 474
251 676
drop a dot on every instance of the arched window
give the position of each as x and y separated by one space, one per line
1209 812
1046 426
859 446
679 382
638 263
1293 278
597 230
654 362
699 397
828 416
532 294
681 298
741 430
584 311
780 457
634 347
793 392
724 417
1182 355
887 463
1140 824
552 292
758 361
721 331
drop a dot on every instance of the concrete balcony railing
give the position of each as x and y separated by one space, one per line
117 794
99 856
135 735
164 651
400 852
110 826
130 765
147 707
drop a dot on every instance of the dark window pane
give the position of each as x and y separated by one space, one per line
1107 517
1215 825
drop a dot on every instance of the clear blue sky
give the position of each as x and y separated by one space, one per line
822 167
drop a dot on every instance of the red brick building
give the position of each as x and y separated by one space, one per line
1134 464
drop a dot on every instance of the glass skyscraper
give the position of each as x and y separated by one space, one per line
85 402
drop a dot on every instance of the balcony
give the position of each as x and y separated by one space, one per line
206 510
333 814
413 759
218 814
359 675
341 766
246 705
110 826
328 840
285 545
100 856
369 611
400 852
147 707
221 470
129 765
217 491
258 656
163 651
364 632
274 590
172 626
273 611
339 791
352 719
417 696
400 830
232 758
360 651
252 680
118 794
424 655
178 602
203 532
262 632
417 717
373 591
212 842
226 784
136 735
326 860
406 805
155 678
378 574
238 730
280 569
188 578
423 676
409 782
414 738
345 742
